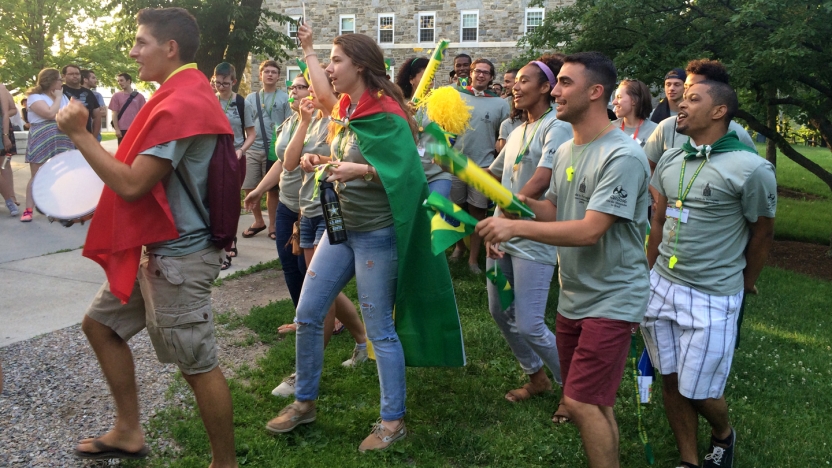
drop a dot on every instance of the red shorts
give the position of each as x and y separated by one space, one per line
593 353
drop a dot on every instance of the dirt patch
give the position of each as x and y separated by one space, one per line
803 258
797 195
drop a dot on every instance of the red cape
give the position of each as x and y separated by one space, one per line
369 105
184 106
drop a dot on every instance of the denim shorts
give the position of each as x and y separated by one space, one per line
311 231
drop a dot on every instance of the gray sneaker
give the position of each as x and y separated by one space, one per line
286 388
12 207
358 356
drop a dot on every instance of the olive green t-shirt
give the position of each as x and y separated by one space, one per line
609 279
310 205
290 181
543 143
432 170
731 190
364 204
664 137
191 157
640 133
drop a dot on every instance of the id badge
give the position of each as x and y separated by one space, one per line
421 150
673 212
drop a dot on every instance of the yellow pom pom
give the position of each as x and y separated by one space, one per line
445 107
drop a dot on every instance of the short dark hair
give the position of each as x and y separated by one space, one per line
126 76
71 65
226 69
269 63
453 73
85 75
513 71
174 24
407 72
462 56
490 65
723 95
600 69
712 70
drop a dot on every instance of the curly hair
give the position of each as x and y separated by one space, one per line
712 70
408 72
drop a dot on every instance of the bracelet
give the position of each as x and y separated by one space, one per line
312 53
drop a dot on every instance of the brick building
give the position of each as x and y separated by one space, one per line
479 28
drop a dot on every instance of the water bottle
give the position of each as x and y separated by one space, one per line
6 160
335 228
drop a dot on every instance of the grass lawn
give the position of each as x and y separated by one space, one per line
779 394
803 220
106 136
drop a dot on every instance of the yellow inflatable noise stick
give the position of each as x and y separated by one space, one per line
430 71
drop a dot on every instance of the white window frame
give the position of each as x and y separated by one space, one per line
292 72
419 28
462 28
289 27
341 19
392 17
542 12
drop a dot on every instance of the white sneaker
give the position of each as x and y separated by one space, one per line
358 356
286 388
13 211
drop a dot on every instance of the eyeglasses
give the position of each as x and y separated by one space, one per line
481 72
297 88
222 84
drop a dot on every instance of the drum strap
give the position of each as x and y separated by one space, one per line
262 125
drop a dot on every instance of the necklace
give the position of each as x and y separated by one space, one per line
635 135
265 103
570 171
525 147
680 203
225 111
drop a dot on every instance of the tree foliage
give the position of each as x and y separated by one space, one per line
229 29
777 52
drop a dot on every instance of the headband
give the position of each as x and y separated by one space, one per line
546 71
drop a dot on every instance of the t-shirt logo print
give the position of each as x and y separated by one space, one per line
582 187
706 192
619 194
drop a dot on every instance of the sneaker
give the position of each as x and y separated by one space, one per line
289 418
381 437
359 355
27 216
12 207
286 388
721 457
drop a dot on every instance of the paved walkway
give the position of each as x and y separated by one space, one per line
45 283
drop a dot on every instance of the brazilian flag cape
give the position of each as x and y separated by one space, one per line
427 320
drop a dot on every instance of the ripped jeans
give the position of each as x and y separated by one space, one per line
371 257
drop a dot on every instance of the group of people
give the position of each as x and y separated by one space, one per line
52 91
588 179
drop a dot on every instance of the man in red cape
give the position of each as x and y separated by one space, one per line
149 236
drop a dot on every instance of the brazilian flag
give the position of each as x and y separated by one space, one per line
495 275
442 233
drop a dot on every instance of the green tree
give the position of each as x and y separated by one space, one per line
778 53
229 29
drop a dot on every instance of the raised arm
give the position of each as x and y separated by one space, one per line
292 154
323 90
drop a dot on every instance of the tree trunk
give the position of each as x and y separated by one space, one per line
771 122
240 39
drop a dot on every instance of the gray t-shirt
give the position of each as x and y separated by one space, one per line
609 279
190 156
433 171
290 181
507 127
640 133
731 190
664 137
275 109
310 205
364 204
516 174
233 114
478 143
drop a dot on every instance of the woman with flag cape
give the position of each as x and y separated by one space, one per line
524 166
381 186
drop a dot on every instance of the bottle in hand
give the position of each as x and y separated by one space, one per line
335 228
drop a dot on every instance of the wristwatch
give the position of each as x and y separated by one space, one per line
368 176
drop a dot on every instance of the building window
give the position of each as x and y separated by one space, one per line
469 26
292 72
347 24
427 27
534 18
293 27
386 28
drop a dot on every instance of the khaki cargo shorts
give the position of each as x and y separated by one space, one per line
172 298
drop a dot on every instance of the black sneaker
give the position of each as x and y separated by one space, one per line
721 457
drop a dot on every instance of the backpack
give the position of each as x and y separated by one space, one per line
240 102
225 179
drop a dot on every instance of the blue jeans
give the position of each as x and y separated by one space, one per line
522 324
294 266
442 186
371 257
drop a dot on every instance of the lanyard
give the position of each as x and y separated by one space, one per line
342 141
225 111
570 171
635 135
681 203
525 147
265 105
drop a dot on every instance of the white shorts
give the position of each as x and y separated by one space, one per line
692 334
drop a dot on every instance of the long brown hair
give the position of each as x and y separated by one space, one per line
46 78
640 94
364 52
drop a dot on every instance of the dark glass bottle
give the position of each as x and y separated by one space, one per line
335 228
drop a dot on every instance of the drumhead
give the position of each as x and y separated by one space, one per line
66 187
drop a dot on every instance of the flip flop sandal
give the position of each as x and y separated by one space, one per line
288 328
232 252
563 418
106 452
339 327
252 231
272 236
226 264
525 392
